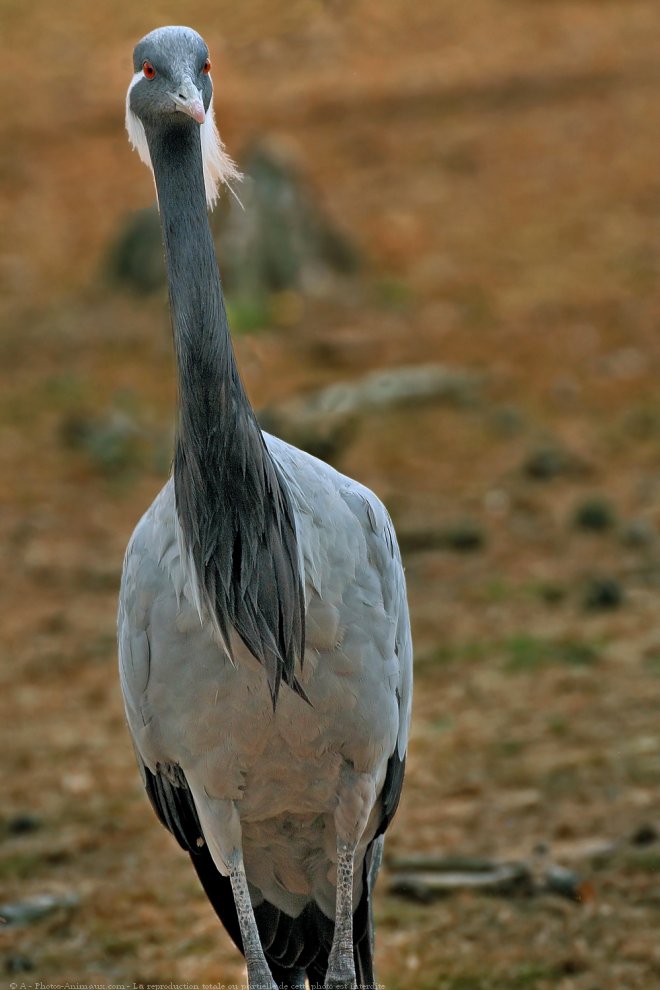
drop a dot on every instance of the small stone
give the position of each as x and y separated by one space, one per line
34 908
560 880
23 823
638 533
497 502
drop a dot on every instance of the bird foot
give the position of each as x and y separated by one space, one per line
259 978
341 978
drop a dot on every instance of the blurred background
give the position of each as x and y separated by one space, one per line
462 200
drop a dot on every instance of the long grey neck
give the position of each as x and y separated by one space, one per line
211 394
233 505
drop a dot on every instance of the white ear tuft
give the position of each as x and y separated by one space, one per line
218 166
135 127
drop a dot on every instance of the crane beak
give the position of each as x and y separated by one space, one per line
188 100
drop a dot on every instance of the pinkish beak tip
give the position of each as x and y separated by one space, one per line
197 111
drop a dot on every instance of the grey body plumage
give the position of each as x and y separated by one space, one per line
265 652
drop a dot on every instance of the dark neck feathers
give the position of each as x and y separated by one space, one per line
233 505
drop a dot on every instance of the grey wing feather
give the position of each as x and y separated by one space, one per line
391 567
384 561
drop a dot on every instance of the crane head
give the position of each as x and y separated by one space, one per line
172 85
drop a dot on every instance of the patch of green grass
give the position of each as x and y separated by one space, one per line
476 303
549 592
444 723
117 946
65 390
652 662
393 293
247 314
522 652
21 866
643 861
506 421
642 422
395 913
527 652
559 726
470 651
560 780
103 646
511 747
498 590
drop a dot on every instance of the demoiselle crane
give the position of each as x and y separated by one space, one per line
264 639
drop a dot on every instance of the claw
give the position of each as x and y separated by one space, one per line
341 980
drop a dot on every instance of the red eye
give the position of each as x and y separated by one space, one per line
206 68
148 70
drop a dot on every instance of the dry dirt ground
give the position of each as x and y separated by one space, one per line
496 162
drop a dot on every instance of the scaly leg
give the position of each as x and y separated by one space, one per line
259 975
341 965
355 798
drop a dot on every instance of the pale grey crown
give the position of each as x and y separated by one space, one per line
178 55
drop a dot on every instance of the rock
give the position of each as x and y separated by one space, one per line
136 258
112 440
560 880
321 421
426 878
34 908
279 238
503 879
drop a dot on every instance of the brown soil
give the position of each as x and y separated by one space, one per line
496 162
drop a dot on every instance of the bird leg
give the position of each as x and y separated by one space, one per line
259 975
356 796
341 965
